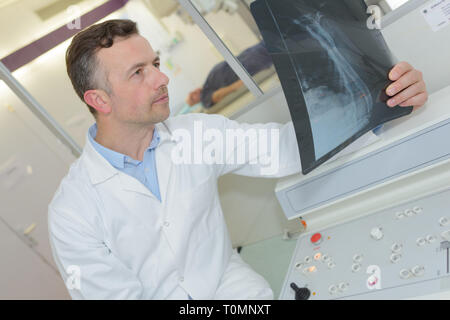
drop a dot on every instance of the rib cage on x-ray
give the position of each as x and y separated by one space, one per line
332 68
353 99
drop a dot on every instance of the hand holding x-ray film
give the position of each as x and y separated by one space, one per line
333 69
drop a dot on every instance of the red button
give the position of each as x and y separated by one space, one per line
315 239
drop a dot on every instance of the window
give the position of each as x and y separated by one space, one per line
387 5
233 22
394 4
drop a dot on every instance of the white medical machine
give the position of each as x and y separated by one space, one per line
379 218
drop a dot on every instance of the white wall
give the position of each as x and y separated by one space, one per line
411 39
32 163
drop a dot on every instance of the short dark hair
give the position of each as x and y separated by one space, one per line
81 61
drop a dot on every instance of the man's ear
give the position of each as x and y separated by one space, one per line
99 100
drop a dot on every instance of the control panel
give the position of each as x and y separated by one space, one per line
397 253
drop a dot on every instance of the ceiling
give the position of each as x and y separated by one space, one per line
27 20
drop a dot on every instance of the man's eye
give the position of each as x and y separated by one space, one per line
157 64
138 72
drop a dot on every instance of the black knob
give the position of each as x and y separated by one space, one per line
300 293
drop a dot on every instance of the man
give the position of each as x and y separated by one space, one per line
129 222
222 80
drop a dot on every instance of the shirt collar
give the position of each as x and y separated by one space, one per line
115 158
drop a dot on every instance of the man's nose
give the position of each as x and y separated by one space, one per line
163 79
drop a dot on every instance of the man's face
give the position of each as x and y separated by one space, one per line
138 89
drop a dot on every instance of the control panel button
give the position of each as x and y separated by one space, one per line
312 269
316 238
309 270
420 241
409 212
356 267
396 247
372 281
332 289
307 259
444 221
376 233
343 286
395 257
399 215
430 238
418 271
417 209
331 265
317 256
405 274
298 265
357 258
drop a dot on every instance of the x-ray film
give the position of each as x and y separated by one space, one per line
333 66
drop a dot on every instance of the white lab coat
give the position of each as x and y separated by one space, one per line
128 245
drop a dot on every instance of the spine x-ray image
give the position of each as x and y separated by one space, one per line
333 70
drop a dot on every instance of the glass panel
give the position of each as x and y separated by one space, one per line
235 25
200 79
197 71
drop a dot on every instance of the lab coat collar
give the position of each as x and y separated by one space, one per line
165 134
163 166
100 170
117 159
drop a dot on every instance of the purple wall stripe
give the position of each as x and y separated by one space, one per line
30 52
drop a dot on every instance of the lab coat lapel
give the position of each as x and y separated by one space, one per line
100 170
164 162
163 168
130 183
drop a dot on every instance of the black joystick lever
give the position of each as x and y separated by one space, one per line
300 293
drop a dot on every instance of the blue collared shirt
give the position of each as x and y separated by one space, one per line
144 171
